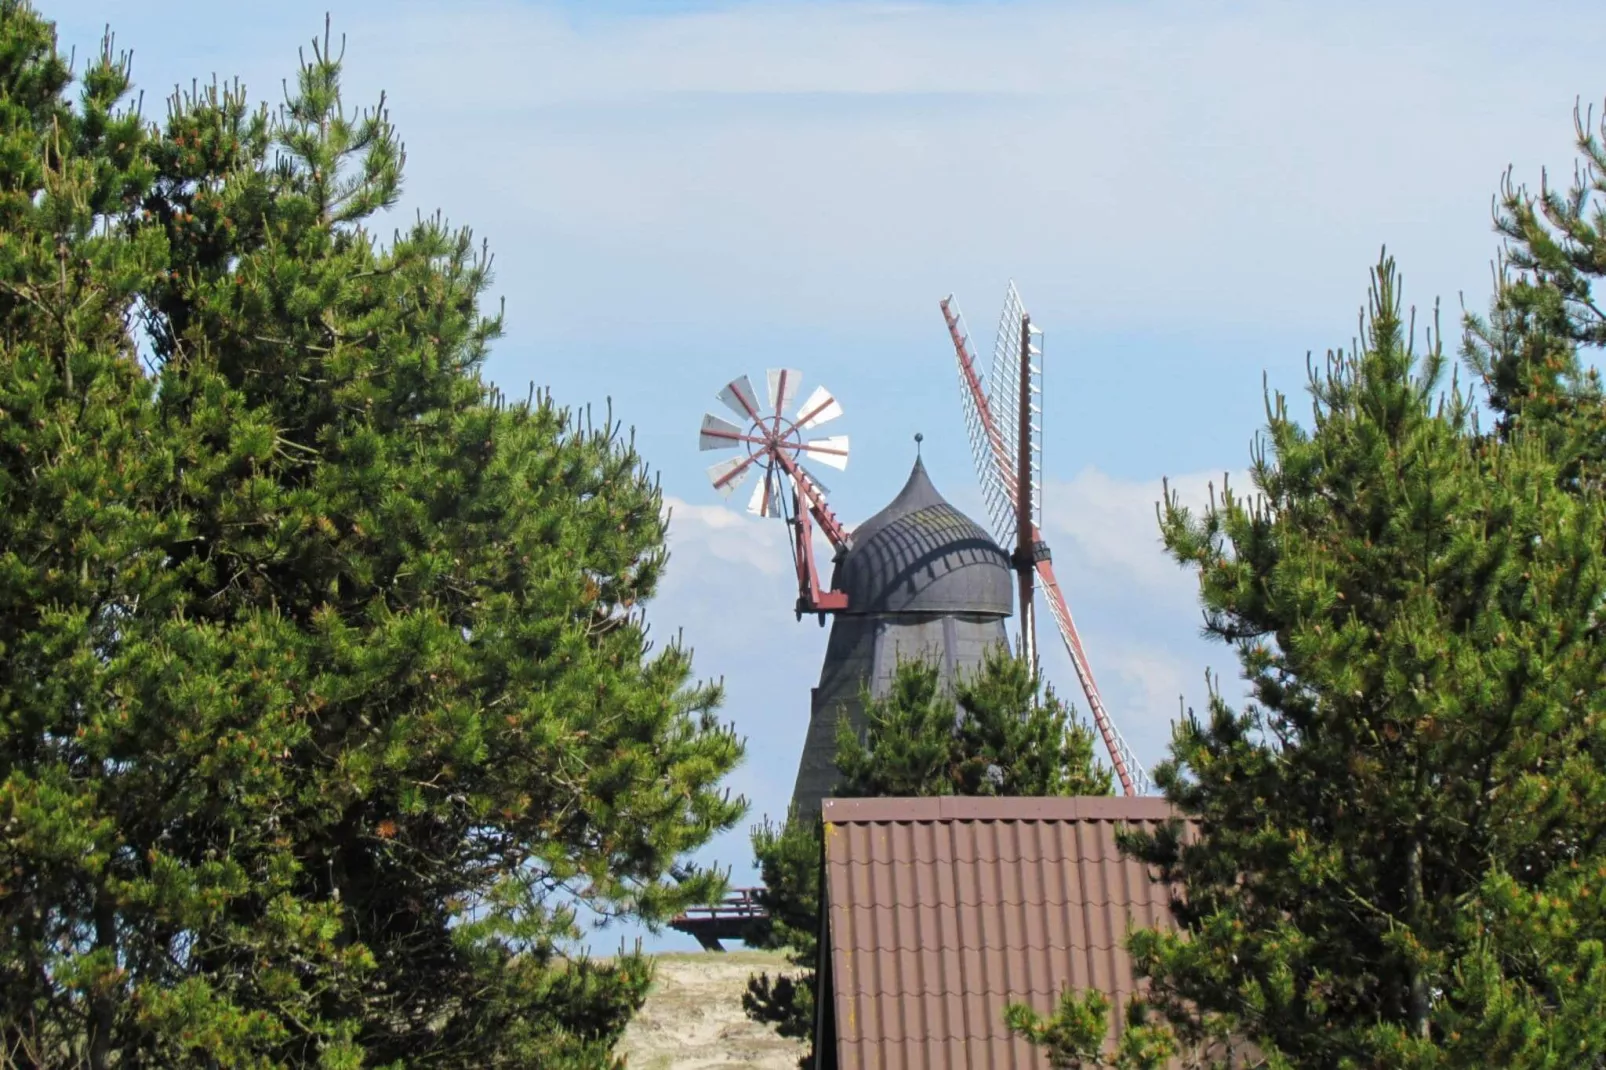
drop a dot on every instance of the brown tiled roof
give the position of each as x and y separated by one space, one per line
940 912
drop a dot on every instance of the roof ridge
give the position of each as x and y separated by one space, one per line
989 808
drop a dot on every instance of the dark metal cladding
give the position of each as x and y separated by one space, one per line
923 581
921 555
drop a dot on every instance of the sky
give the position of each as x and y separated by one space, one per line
1188 193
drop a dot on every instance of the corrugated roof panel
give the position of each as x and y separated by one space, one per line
1041 912
944 911
1039 957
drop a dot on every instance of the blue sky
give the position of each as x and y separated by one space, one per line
1189 195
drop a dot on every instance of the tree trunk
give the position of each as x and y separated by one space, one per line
102 1008
1419 1002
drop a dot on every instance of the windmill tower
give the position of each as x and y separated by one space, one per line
923 581
918 579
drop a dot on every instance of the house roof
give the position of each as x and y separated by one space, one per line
940 912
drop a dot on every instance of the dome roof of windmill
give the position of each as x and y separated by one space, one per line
921 555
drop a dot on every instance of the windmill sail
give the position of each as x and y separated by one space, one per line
993 418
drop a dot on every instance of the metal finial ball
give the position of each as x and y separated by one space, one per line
919 438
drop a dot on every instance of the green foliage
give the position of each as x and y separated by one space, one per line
1544 318
998 733
1414 606
1016 738
1073 1036
327 685
789 866
909 739
1527 990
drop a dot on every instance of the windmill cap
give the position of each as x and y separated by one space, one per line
921 555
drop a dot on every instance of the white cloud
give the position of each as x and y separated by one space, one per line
1153 674
1153 166
1097 524
1106 530
1142 166
1135 609
729 589
728 536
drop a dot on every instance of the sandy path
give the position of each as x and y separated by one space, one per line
693 1019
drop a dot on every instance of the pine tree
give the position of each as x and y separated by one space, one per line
788 858
998 732
1014 738
328 689
1544 322
1535 353
1401 839
79 541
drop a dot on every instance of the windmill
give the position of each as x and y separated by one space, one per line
916 580
1004 419
772 446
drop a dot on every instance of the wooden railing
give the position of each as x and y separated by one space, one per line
729 919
